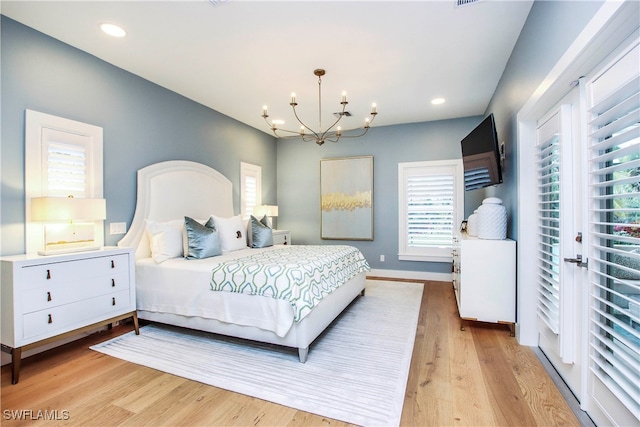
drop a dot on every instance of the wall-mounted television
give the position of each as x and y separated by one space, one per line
481 156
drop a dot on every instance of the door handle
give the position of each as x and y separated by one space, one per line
578 261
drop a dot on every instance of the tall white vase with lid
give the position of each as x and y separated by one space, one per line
492 219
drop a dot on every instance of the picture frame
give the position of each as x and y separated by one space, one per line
346 198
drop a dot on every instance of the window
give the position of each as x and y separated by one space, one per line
250 188
430 209
62 158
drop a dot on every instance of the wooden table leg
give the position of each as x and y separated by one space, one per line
16 358
136 324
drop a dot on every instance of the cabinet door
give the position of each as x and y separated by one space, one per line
487 283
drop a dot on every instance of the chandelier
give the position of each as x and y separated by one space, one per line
333 133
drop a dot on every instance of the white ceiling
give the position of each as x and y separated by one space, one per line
236 56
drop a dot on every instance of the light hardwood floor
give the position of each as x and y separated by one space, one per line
476 377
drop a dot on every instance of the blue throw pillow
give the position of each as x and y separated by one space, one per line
261 233
203 241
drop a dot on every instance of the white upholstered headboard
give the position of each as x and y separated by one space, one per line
172 190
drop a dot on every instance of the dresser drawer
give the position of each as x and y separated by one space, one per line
49 295
57 273
67 317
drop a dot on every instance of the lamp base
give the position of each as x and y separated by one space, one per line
68 250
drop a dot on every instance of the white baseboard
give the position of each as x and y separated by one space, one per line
416 275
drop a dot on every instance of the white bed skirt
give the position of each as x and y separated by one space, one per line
301 334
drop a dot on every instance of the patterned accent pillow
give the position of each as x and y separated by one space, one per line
261 234
203 241
232 233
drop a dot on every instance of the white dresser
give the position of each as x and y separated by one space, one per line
281 237
47 297
484 280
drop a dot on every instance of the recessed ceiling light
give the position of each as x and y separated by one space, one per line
113 30
437 101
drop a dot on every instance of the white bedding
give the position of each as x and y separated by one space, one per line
182 286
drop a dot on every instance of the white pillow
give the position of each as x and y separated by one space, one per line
233 232
165 239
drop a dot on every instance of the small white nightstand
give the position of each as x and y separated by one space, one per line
45 298
281 237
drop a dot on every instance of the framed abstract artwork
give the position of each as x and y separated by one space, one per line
346 198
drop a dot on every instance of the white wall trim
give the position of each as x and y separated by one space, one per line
415 275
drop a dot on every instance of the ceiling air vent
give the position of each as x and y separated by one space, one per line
465 2
340 113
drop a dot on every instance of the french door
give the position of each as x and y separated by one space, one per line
613 126
588 239
559 238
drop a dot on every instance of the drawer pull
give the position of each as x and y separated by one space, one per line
50 319
48 296
113 264
113 283
113 301
48 274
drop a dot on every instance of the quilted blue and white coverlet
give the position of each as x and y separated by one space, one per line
300 274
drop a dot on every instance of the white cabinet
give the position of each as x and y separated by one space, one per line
484 280
281 237
47 297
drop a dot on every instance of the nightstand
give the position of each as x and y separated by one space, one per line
46 298
281 237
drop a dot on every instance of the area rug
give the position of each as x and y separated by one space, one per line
356 371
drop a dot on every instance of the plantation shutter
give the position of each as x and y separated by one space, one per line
250 188
251 194
430 207
66 163
430 210
548 164
614 200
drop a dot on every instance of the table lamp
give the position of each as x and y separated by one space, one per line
80 213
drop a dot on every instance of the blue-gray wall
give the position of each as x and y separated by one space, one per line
550 29
142 122
299 182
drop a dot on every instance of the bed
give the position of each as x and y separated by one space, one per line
186 293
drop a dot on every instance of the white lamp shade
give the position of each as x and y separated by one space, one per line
67 209
268 210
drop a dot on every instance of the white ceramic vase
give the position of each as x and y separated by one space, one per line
472 224
492 219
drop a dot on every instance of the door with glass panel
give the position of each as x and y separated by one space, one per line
560 252
613 206
588 239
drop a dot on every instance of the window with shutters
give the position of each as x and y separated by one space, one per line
614 207
250 188
66 160
431 196
62 158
